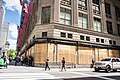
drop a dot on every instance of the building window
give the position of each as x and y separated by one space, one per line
63 34
109 27
118 26
65 16
107 8
82 21
97 40
82 4
44 34
82 37
96 6
97 24
87 38
65 2
70 35
117 10
102 40
114 42
45 14
110 41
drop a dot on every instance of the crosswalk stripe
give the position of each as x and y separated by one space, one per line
26 76
91 75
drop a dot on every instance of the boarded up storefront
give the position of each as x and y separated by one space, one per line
100 53
40 53
85 55
66 51
114 53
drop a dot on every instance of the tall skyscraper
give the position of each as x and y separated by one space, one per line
79 30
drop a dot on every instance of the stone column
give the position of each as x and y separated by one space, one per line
108 52
76 56
90 15
75 12
103 16
55 10
55 53
114 22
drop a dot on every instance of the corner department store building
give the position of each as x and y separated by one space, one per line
78 30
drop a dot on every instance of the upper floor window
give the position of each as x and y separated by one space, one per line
118 26
65 16
102 40
109 27
87 38
114 42
117 10
82 37
97 40
82 21
97 24
82 4
96 6
110 41
107 8
66 2
44 34
63 34
70 35
45 17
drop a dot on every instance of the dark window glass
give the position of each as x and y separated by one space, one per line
113 60
44 34
87 38
110 41
117 10
118 26
102 40
118 60
63 34
45 14
81 37
97 40
70 35
114 42
109 27
107 8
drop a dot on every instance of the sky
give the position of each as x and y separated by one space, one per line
12 15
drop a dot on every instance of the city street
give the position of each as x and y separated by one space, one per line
35 73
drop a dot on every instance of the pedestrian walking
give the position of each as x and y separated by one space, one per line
46 64
63 64
93 62
17 60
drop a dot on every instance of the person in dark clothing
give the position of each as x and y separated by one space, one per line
93 62
30 60
17 60
46 64
63 64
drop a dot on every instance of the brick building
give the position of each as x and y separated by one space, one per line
79 30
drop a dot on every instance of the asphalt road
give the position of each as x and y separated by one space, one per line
35 73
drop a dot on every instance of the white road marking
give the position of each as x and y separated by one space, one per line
26 76
91 75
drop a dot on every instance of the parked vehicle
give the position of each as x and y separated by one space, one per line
107 64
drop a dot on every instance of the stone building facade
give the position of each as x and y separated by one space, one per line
79 30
